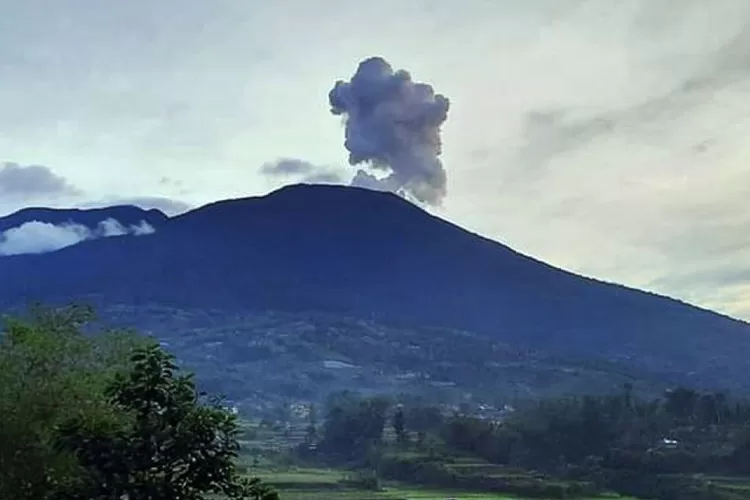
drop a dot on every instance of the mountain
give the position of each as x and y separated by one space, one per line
373 255
126 215
264 360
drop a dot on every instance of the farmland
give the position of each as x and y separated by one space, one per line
266 456
328 484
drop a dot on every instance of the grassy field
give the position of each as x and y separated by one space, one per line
264 449
330 484
327 484
320 484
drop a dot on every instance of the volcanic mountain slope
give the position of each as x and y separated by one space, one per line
373 255
264 360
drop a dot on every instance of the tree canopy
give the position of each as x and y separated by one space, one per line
107 416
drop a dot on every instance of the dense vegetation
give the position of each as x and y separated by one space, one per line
102 415
107 416
674 447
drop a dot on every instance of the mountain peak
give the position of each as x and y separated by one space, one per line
306 197
370 254
332 192
306 207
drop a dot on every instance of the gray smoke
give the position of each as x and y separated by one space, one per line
393 126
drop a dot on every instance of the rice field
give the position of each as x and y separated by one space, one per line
328 484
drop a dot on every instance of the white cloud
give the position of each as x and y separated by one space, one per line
111 227
41 237
142 229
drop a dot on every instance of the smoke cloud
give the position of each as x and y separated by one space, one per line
41 237
393 126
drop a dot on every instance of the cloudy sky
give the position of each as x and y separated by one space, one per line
605 137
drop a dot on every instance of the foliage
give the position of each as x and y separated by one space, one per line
172 445
49 372
353 429
649 448
107 416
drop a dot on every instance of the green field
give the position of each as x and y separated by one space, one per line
264 452
298 483
327 484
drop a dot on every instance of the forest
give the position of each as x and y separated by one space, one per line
686 444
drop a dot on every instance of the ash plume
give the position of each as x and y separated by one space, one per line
392 126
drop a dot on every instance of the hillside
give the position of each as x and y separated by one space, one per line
124 214
263 359
373 255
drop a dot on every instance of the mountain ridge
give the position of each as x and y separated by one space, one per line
89 217
369 254
294 187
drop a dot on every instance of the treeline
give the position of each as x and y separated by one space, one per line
662 448
107 416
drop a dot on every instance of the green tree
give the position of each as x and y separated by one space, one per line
173 444
49 372
353 428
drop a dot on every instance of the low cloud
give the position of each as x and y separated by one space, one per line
301 171
287 166
22 185
33 181
323 178
37 237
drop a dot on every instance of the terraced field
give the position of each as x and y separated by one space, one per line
737 485
328 484
266 446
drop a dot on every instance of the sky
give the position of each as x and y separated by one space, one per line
604 137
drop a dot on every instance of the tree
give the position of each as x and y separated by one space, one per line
171 444
353 427
399 425
49 372
681 403
311 433
423 419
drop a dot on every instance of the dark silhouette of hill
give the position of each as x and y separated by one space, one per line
374 255
125 214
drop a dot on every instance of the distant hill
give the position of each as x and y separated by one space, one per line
373 255
124 214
